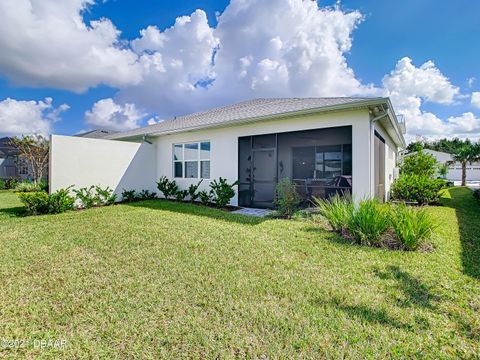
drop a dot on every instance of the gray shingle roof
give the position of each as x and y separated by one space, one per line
97 134
251 109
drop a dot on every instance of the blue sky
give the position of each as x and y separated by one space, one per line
444 32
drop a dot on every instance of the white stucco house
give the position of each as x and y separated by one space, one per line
325 145
455 168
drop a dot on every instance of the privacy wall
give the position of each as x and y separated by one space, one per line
83 162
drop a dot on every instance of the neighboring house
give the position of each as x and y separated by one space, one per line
97 133
11 166
325 145
455 168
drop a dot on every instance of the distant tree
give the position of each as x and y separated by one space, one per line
419 163
33 149
468 153
450 146
415 146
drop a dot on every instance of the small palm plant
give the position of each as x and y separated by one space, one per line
468 153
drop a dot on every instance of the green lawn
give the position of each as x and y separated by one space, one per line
161 279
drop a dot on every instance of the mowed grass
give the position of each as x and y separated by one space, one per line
159 279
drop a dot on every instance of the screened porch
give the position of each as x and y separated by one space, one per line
319 162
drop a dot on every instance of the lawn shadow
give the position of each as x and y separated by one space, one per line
331 235
198 210
416 292
336 238
467 210
17 211
363 312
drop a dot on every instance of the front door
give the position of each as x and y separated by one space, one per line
264 177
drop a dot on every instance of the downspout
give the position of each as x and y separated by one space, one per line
144 139
379 117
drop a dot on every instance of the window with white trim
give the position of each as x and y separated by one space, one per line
191 160
22 167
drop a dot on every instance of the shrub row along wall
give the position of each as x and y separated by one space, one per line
117 164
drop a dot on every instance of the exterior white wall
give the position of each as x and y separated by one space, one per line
224 146
83 162
391 151
455 172
455 169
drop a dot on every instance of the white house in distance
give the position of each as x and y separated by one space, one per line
325 145
455 168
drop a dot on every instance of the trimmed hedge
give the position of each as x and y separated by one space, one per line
39 202
419 189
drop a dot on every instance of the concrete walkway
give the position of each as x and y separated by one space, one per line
252 212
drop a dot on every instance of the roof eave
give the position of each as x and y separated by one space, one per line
395 123
323 109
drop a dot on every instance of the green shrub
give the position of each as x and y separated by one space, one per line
417 188
193 191
7 184
12 183
476 194
104 196
205 197
146 195
43 185
222 192
369 222
39 202
287 198
28 186
86 196
168 188
181 195
35 203
337 210
95 196
129 195
60 201
419 163
413 227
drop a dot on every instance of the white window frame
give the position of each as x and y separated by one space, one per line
199 159
22 166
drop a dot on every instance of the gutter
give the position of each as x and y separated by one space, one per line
394 122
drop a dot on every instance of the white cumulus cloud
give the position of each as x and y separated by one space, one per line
475 99
18 117
47 43
258 49
409 87
107 114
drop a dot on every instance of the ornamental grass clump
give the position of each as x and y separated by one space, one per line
337 210
413 227
369 223
382 225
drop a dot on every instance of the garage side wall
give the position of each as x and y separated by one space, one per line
83 162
